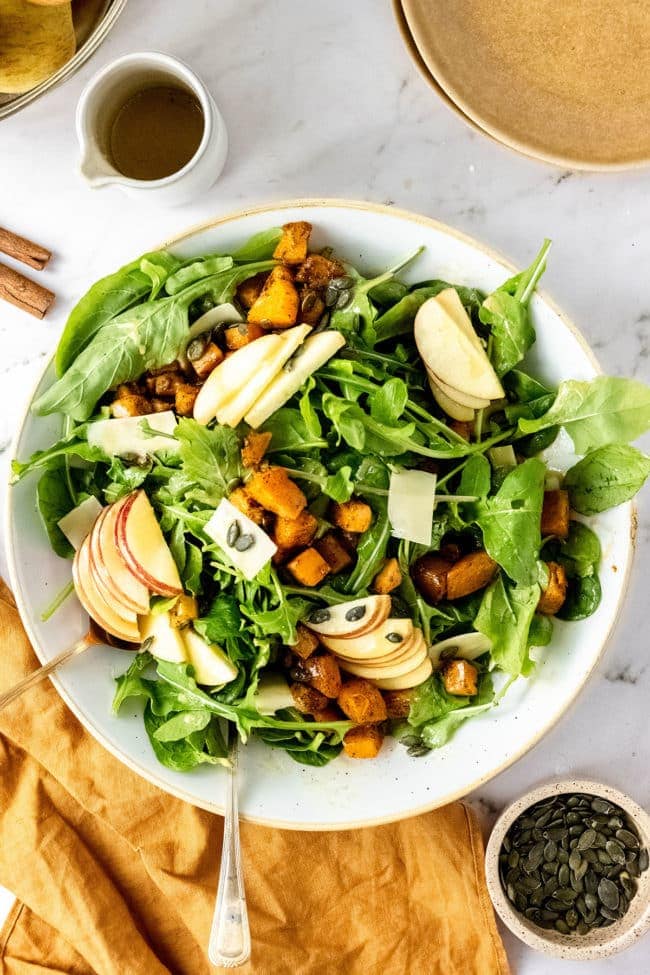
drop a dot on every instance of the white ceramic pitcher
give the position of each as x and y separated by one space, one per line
115 84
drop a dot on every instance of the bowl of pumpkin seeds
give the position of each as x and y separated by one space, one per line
567 869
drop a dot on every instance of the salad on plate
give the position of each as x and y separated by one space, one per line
323 507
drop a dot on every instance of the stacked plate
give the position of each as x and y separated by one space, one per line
562 80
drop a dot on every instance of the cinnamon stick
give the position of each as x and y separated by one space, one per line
24 293
23 250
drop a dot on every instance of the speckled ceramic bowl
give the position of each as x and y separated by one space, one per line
603 941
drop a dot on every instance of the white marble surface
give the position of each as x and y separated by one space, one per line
322 100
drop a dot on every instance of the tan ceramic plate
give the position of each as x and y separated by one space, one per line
563 80
345 794
597 944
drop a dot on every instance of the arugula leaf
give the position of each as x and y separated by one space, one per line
606 477
54 501
399 319
70 446
430 700
211 459
506 312
280 620
223 624
389 402
189 273
290 432
580 553
604 410
158 267
192 569
582 599
108 297
540 633
436 734
372 478
510 521
259 247
476 477
145 337
505 617
524 388
183 724
124 478
201 747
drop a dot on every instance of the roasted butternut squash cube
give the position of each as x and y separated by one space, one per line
163 385
555 513
335 553
429 573
160 405
325 675
471 573
553 596
282 556
184 610
295 532
398 703
292 246
249 507
274 490
255 446
363 742
460 677
208 360
362 702
388 578
279 303
307 699
312 306
130 404
463 428
317 271
309 568
352 515
328 714
184 398
306 644
249 290
237 336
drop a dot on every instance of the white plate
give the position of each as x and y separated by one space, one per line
345 794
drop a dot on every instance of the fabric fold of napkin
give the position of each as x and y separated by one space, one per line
114 877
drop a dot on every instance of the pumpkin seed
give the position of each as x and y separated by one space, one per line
627 838
233 533
587 839
571 918
575 860
513 859
615 851
394 637
602 806
320 616
644 859
561 926
357 613
244 542
551 868
608 894
563 875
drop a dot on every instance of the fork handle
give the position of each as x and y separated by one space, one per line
230 940
42 672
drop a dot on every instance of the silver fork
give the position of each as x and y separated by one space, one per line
230 939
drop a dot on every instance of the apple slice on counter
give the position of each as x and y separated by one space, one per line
79 522
232 375
167 641
351 619
143 547
116 623
451 356
405 681
107 561
395 669
313 354
455 410
232 412
389 636
463 399
211 665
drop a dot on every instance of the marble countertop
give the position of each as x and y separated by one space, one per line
323 100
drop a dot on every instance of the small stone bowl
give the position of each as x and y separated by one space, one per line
602 942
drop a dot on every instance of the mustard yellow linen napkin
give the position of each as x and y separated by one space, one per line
114 877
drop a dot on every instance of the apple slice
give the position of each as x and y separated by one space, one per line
414 650
467 646
143 547
167 641
211 665
376 643
451 356
455 410
464 399
225 314
272 694
79 522
405 681
311 356
105 584
109 564
350 619
107 616
400 653
233 411
450 301
413 659
232 375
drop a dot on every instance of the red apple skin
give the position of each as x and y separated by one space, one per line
93 604
157 586
103 534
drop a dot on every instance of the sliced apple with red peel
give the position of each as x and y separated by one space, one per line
116 624
350 619
413 678
452 356
108 563
389 636
111 574
143 547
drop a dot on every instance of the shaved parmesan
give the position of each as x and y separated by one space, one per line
411 500
232 530
125 435
78 522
